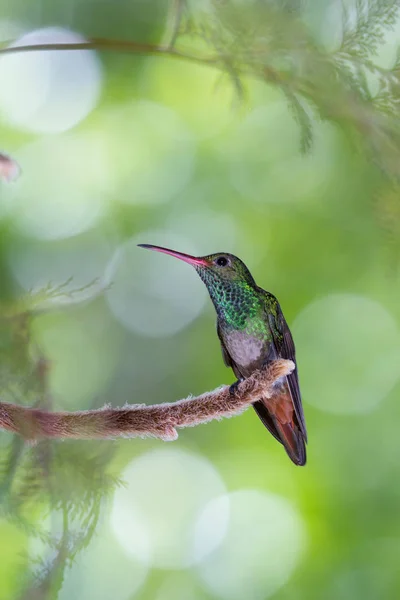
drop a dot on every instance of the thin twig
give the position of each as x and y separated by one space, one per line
159 420
141 49
112 45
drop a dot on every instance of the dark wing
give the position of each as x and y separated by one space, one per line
258 406
266 419
284 345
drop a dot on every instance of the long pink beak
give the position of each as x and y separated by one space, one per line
192 260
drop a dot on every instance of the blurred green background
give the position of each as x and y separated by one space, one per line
118 149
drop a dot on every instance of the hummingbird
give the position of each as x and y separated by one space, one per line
253 331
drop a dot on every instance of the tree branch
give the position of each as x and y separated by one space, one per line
159 420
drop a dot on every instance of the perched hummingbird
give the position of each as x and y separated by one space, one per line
253 331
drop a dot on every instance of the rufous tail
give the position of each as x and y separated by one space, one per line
278 415
292 440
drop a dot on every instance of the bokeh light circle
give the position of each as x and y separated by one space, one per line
190 89
265 157
103 571
49 91
154 294
82 364
178 586
264 542
348 353
210 230
64 189
154 515
269 128
75 267
152 153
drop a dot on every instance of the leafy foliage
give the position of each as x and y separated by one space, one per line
65 479
272 42
364 31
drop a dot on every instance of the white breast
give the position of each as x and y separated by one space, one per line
243 348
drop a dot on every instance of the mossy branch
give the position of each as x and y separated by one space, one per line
160 420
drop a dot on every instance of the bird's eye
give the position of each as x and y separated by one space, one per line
221 261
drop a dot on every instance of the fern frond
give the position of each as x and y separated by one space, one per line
365 24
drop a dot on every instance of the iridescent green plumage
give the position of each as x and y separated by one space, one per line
253 331
234 298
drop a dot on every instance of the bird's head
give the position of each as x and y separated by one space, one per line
214 269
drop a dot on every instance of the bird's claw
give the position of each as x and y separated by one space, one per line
234 386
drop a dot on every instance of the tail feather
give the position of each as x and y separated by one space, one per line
292 440
278 415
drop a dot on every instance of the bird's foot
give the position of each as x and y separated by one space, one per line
234 386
